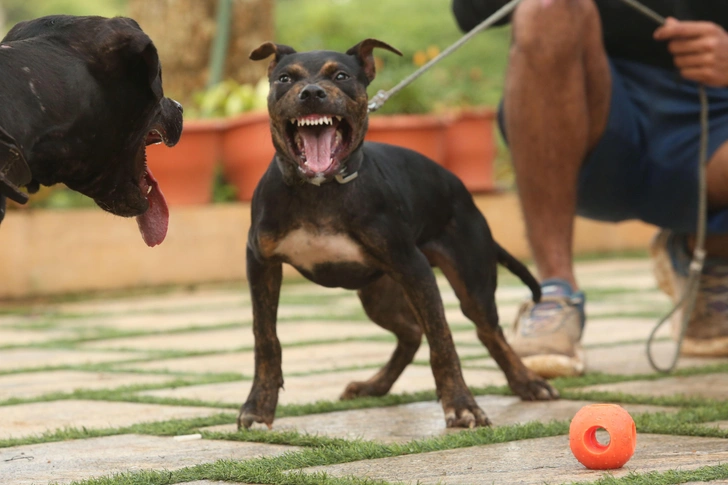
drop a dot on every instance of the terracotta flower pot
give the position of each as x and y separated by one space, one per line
247 150
422 133
471 150
186 171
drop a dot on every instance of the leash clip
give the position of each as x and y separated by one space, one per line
345 180
378 101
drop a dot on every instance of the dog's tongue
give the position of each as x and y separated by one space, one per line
154 222
318 142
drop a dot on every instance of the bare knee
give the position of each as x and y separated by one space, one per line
554 33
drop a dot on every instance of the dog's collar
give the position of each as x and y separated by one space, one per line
355 159
345 179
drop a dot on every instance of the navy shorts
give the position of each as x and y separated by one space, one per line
646 164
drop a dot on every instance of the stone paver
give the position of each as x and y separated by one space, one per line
229 339
619 295
11 359
710 386
25 337
625 359
208 482
398 424
80 459
301 359
535 461
36 418
612 330
173 301
27 385
167 321
323 387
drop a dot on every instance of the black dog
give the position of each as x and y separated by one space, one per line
374 218
82 98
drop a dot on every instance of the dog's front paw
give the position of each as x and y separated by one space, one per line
249 415
534 388
466 415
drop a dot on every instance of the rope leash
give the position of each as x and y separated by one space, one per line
690 293
382 96
689 296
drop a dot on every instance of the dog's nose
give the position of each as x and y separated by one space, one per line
178 105
312 92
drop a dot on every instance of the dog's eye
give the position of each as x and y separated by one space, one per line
284 78
341 76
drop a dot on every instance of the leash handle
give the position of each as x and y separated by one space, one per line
382 96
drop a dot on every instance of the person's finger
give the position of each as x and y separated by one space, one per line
702 75
674 29
692 46
695 60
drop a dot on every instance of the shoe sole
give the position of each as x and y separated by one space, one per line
550 366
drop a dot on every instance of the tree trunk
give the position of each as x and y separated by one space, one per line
184 30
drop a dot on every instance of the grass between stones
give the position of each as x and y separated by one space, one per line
287 468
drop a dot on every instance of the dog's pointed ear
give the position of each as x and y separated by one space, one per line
363 52
123 46
268 49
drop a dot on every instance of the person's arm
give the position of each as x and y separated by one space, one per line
469 13
700 50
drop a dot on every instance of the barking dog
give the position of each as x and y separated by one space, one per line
374 218
82 98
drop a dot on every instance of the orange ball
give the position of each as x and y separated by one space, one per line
622 436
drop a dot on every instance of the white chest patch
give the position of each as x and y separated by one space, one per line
306 249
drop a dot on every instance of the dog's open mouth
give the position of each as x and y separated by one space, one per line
155 137
319 143
154 222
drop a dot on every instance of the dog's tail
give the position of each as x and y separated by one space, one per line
520 270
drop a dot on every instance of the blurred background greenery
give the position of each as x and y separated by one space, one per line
472 76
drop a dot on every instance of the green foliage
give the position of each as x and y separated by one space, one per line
228 98
473 75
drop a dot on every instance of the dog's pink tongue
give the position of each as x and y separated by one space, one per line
317 142
154 222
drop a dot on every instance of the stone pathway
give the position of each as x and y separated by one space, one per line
146 389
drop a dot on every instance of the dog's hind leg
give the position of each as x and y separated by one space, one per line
386 305
466 254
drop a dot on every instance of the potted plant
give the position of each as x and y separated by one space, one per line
185 172
407 120
247 148
470 148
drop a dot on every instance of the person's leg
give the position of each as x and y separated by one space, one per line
716 245
556 105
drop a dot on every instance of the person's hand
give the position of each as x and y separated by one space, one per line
700 50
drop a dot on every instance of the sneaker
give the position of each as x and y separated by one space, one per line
707 331
547 334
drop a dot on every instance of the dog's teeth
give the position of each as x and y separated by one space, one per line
294 121
338 118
